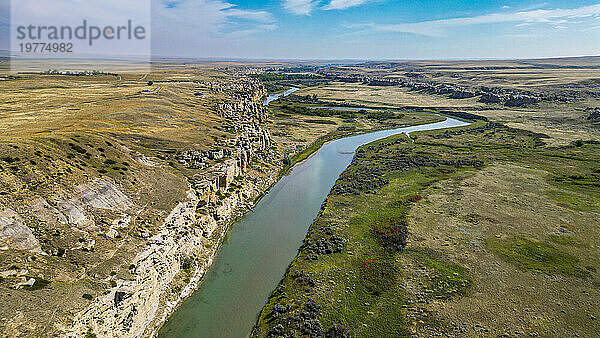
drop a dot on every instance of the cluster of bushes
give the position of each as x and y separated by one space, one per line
324 246
320 112
581 180
397 162
337 331
361 179
302 98
289 108
187 263
380 115
282 79
77 148
272 87
304 321
9 159
317 121
303 278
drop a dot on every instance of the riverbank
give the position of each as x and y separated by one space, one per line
262 244
358 274
319 142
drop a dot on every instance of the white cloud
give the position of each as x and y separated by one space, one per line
305 7
300 7
439 27
205 18
246 32
343 4
193 27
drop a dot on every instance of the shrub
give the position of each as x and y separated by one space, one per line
187 263
77 148
337 331
279 310
392 232
87 296
415 198
90 334
377 276
287 161
9 159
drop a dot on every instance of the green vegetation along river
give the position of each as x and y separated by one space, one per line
261 246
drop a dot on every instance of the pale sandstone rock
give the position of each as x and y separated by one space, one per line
14 234
102 194
46 212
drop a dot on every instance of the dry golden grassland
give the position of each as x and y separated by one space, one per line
59 132
508 246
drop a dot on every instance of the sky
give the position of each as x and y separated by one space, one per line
370 29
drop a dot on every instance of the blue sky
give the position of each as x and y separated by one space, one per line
383 29
370 29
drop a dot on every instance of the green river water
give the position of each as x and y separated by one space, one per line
254 258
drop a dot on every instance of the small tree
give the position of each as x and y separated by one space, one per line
150 83
287 160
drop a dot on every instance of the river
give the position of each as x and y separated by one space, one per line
274 97
253 260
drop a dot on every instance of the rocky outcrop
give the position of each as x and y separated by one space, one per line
251 139
139 307
244 109
508 97
74 207
102 194
521 100
132 306
15 234
189 237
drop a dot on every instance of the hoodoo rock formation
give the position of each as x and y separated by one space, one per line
191 234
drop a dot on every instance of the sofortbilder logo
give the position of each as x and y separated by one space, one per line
55 30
